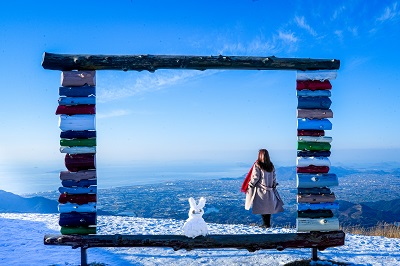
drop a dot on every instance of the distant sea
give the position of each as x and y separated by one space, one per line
33 179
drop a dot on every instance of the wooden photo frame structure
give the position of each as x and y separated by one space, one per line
316 226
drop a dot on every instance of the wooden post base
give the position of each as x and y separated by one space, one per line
83 256
314 254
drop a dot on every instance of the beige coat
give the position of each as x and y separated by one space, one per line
262 195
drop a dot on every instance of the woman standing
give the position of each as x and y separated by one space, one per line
261 193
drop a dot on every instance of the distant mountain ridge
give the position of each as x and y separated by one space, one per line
368 214
10 202
225 202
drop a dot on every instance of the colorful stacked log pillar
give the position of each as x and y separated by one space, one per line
315 200
77 109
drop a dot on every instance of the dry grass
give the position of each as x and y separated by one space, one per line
381 229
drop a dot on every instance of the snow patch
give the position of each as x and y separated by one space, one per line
21 243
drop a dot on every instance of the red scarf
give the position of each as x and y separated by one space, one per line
246 181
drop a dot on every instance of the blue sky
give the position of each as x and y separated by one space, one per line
209 116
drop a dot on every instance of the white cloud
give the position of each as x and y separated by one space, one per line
256 46
282 41
287 40
353 30
356 62
114 113
390 13
339 34
233 48
338 12
300 21
287 37
123 85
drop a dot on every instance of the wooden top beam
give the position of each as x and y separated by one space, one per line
152 63
251 242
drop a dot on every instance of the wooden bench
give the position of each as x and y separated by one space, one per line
81 85
251 242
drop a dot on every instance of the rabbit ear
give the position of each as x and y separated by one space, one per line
192 203
202 203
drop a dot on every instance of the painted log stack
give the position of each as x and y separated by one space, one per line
77 121
315 200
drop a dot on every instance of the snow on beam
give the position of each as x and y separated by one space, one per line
251 242
153 62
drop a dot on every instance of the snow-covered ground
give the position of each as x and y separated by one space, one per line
21 243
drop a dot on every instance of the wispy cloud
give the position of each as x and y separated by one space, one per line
134 84
288 40
275 43
256 46
353 30
113 113
337 12
287 37
301 22
339 34
356 62
390 13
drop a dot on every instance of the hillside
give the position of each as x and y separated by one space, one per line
368 214
24 233
13 203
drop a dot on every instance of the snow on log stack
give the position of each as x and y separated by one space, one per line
77 109
315 200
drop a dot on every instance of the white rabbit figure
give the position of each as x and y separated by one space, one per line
195 224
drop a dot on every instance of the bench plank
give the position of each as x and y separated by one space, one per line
78 150
316 180
77 176
307 132
313 153
313 146
313 93
76 109
71 101
316 224
313 113
78 78
314 103
313 124
77 122
71 134
251 242
313 85
78 142
83 91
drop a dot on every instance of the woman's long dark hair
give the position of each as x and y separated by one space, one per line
264 160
